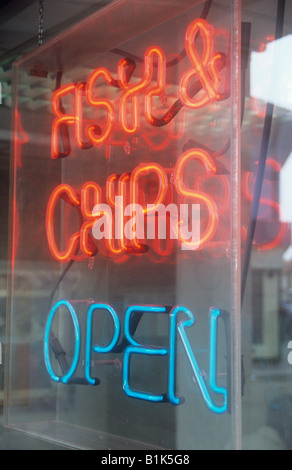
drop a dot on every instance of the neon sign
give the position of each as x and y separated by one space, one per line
129 188
133 347
122 188
165 210
205 68
198 86
110 216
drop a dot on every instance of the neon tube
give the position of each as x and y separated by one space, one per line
203 157
110 183
203 67
139 308
87 245
180 327
126 372
68 194
161 79
93 132
131 93
79 94
96 348
214 317
61 120
72 369
90 196
145 169
137 348
118 202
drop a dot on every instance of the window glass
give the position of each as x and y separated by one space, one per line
123 239
266 200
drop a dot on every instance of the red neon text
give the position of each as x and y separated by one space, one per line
130 188
205 68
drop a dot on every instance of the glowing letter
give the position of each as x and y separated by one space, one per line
71 371
203 68
61 121
137 348
118 203
79 94
99 349
161 79
196 370
93 132
206 160
145 169
131 93
68 194
86 243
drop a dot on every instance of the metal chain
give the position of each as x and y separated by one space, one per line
41 22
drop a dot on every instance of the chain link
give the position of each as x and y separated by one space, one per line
41 22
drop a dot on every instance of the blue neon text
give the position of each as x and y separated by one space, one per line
177 330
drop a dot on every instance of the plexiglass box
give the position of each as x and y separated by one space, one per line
124 231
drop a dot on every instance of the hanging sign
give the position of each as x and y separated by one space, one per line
120 221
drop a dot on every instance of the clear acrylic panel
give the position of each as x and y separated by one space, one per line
124 237
266 227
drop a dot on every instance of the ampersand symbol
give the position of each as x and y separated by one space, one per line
204 67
